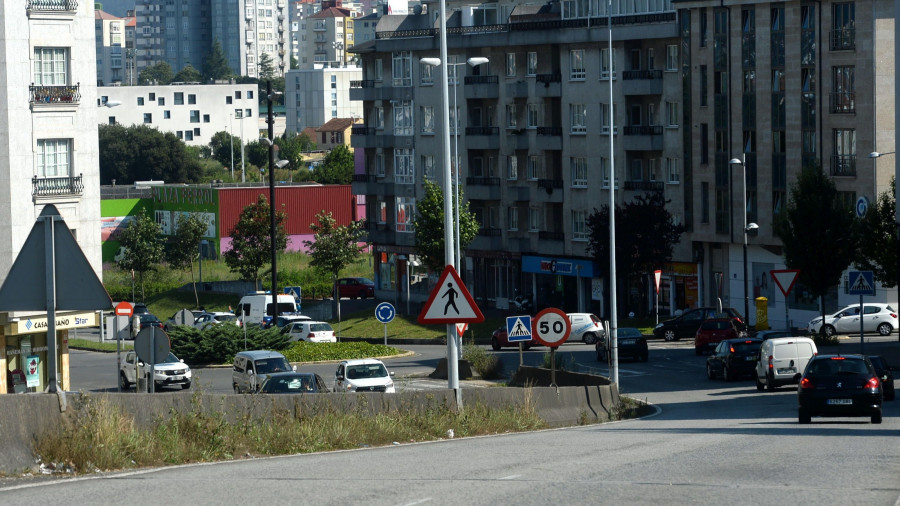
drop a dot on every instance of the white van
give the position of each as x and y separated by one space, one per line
254 307
781 358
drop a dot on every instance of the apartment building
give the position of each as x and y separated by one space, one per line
314 96
780 86
49 155
532 131
330 33
111 54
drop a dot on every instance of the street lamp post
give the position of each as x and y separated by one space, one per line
473 62
243 178
270 141
747 227
613 317
231 141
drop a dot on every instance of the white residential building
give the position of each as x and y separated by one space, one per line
312 97
111 54
193 112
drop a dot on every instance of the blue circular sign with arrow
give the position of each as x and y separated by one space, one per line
385 312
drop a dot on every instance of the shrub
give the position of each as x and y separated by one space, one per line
485 364
560 364
823 340
217 344
312 352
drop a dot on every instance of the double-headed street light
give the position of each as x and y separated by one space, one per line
473 62
747 227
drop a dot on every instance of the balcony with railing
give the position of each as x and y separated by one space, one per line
548 235
481 87
51 186
66 94
550 138
482 188
482 137
70 6
843 39
548 85
843 102
645 186
643 82
843 165
643 137
552 191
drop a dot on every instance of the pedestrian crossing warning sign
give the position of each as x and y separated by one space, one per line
450 302
518 328
861 283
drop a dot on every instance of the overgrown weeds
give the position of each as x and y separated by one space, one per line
487 365
102 437
629 408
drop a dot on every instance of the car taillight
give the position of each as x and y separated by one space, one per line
310 336
771 365
731 349
805 384
872 383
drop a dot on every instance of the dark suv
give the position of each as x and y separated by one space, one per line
733 358
687 325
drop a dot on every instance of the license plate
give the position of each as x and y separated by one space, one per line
176 378
786 370
839 402
626 341
749 359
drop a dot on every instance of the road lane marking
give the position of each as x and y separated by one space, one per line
420 501
510 477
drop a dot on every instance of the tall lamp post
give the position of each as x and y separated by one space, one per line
231 141
270 141
876 154
613 317
473 62
747 227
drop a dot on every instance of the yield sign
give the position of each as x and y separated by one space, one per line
450 302
461 328
657 274
785 279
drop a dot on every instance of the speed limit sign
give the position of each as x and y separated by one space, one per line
551 327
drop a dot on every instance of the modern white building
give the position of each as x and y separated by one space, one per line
312 97
111 53
193 112
48 155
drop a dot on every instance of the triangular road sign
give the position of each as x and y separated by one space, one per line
450 302
461 328
77 285
785 279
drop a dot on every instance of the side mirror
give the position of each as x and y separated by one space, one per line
251 373
392 374
338 376
181 360
294 368
798 376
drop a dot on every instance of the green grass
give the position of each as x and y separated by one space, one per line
318 352
86 344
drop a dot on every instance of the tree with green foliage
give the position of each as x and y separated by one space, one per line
225 148
335 246
187 75
878 239
819 232
256 153
336 167
306 143
429 226
645 239
143 250
185 246
266 67
215 65
251 240
142 153
290 148
161 73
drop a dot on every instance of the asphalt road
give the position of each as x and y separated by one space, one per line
711 442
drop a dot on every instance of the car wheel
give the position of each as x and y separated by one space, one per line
709 372
362 295
759 385
495 344
885 329
803 416
236 389
876 417
770 383
669 335
727 376
185 386
829 331
123 382
589 338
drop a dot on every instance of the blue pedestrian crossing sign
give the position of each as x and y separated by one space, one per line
861 283
518 328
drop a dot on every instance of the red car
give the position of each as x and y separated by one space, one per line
714 331
500 340
356 287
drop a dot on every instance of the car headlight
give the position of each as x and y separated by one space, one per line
658 326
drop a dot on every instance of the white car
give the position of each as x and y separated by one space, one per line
204 320
586 327
310 331
876 317
172 372
364 375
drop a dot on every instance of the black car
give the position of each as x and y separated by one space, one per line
687 325
839 385
293 383
630 341
149 320
886 373
733 358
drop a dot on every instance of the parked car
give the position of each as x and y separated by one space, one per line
733 358
251 368
772 334
286 319
293 383
876 317
586 327
499 339
140 308
363 375
714 331
310 331
781 358
356 287
149 320
839 385
630 341
171 372
204 320
687 325
886 373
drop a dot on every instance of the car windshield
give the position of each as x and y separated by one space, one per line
628 332
364 281
366 371
294 383
270 365
171 358
226 318
745 347
147 318
837 367
320 327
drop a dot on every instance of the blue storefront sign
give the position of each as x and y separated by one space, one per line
558 266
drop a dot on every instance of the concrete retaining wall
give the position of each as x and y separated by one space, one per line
23 418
